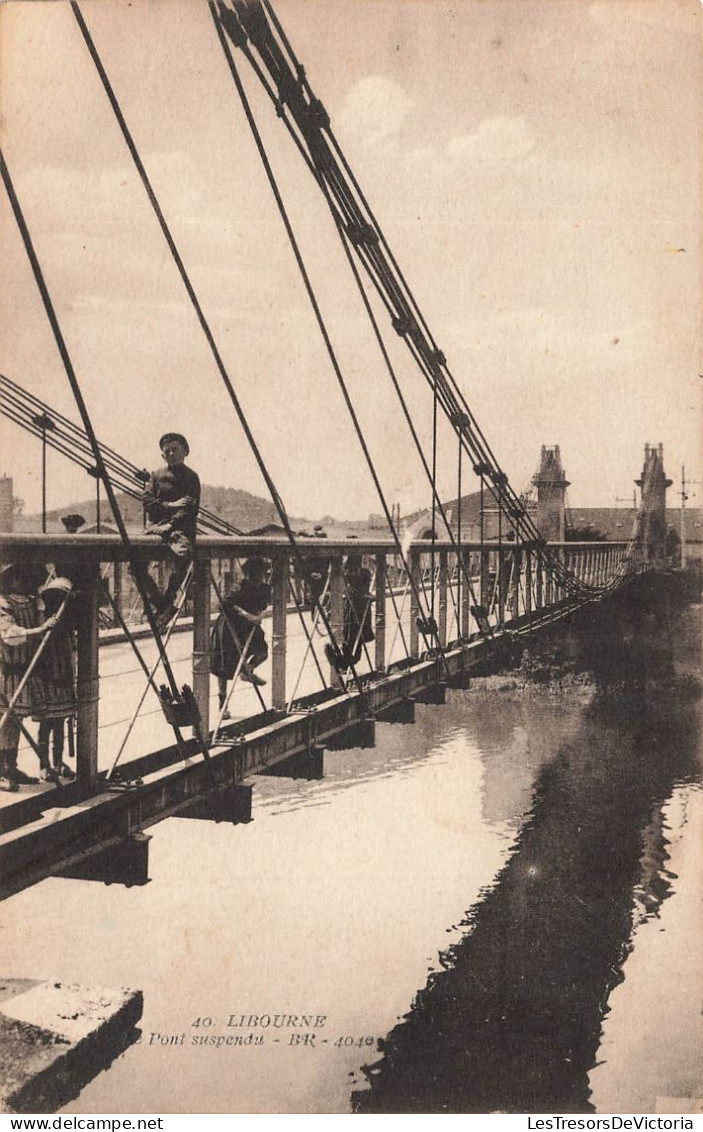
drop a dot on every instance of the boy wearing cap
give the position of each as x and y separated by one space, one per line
171 503
73 523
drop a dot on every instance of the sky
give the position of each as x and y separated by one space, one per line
534 165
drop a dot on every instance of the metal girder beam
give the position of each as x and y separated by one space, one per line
401 712
68 835
232 804
126 863
359 736
308 765
433 694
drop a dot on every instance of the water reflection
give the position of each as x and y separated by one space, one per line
513 1022
549 818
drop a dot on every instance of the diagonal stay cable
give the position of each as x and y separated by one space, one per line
249 29
20 406
309 120
235 636
306 282
309 634
224 706
310 647
135 562
344 238
142 663
150 677
431 474
251 22
129 141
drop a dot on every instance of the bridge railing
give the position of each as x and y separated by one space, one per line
442 599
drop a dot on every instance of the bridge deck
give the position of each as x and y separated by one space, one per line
47 830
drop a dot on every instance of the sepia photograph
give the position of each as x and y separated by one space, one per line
351 558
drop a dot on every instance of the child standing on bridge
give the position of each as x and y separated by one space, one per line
55 670
21 628
358 621
316 572
358 628
238 631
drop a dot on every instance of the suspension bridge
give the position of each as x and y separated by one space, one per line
442 608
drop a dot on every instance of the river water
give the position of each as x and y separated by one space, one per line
495 909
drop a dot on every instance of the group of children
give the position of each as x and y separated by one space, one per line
36 671
238 643
37 654
37 661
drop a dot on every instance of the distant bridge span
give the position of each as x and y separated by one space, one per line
440 609
94 826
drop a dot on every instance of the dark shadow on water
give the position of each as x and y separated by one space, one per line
513 1021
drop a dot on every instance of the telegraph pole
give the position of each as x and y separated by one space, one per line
43 422
626 499
684 496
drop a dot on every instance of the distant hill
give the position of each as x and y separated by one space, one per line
243 510
240 508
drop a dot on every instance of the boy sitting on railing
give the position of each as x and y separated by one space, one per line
171 505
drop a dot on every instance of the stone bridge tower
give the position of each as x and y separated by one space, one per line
551 484
651 523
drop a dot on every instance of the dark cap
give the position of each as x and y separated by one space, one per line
174 436
73 522
255 565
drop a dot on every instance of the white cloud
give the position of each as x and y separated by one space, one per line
375 110
495 140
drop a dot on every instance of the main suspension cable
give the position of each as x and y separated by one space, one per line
431 478
311 119
344 228
248 24
306 280
276 498
135 562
